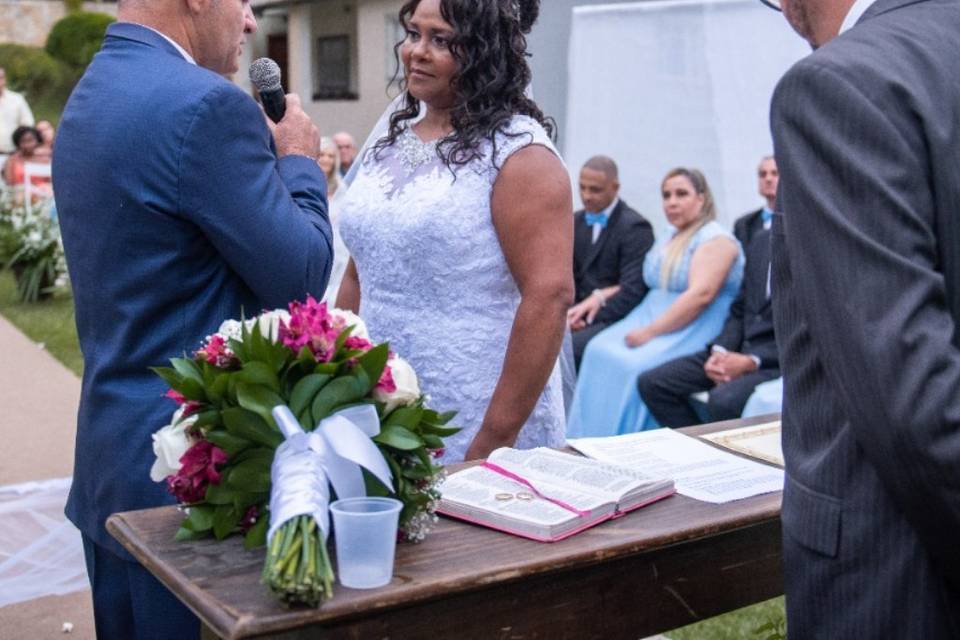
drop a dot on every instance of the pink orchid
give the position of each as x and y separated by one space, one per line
311 326
386 383
198 470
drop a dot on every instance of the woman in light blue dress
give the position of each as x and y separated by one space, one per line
693 275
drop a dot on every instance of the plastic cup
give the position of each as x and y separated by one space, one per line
365 533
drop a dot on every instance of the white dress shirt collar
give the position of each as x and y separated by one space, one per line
183 52
606 213
856 12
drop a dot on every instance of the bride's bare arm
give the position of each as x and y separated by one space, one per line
532 212
348 297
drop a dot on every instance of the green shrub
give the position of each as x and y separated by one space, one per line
31 70
77 37
44 81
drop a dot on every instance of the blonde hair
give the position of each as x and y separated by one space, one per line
334 181
677 246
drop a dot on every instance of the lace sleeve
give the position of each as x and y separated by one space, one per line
521 132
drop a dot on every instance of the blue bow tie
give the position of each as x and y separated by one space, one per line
766 215
597 218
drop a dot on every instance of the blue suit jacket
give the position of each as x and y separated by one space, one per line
176 214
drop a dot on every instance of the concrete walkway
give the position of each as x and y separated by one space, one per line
38 414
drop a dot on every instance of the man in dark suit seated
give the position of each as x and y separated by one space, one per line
610 243
180 208
747 226
740 358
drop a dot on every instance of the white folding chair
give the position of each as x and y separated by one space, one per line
34 170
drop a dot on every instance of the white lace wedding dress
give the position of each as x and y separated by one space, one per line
434 281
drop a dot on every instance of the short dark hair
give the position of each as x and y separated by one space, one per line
603 164
19 132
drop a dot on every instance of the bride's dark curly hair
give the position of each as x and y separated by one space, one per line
490 46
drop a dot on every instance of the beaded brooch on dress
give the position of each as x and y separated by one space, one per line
412 152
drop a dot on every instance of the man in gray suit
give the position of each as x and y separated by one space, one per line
866 286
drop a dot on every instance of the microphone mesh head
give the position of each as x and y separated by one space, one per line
265 75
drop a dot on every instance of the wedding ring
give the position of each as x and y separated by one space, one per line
503 497
524 495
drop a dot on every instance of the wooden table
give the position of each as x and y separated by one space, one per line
661 567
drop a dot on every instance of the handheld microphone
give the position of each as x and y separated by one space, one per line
265 77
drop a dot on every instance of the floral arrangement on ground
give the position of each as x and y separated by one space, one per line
219 456
30 246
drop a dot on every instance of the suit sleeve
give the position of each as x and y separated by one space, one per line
633 249
266 216
859 209
731 336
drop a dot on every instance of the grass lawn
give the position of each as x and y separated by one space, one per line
50 322
741 623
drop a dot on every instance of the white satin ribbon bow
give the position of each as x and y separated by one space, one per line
333 453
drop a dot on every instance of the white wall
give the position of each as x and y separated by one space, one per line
677 83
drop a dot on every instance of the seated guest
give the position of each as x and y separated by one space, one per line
348 150
694 274
766 398
47 134
748 225
610 242
329 162
26 140
741 357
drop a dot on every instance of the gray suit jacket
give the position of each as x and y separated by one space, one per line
866 284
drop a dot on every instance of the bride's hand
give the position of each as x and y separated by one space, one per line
485 442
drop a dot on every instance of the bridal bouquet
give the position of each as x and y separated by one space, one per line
272 412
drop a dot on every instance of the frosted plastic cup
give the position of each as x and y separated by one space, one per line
365 533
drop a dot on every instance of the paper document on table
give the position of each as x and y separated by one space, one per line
699 471
759 441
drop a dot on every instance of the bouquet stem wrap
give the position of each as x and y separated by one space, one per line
305 466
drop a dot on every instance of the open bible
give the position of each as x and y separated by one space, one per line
546 495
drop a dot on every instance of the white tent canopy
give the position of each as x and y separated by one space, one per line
672 83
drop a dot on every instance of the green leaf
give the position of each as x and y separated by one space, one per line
250 426
408 417
432 441
257 535
225 519
184 535
218 390
227 441
399 438
432 429
209 418
253 475
446 417
193 390
339 391
220 494
187 369
328 368
305 390
170 376
374 362
259 373
259 399
200 518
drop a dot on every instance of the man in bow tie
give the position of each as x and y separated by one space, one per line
610 243
748 225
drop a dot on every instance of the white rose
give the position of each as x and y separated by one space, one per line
352 319
269 323
169 445
230 330
405 379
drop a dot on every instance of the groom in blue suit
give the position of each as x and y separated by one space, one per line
180 207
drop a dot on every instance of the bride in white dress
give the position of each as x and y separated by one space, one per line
460 228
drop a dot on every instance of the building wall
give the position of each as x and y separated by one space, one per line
28 22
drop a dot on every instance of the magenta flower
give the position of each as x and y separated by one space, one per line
311 326
216 352
386 383
198 470
249 518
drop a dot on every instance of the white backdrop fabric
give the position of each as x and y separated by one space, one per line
670 83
